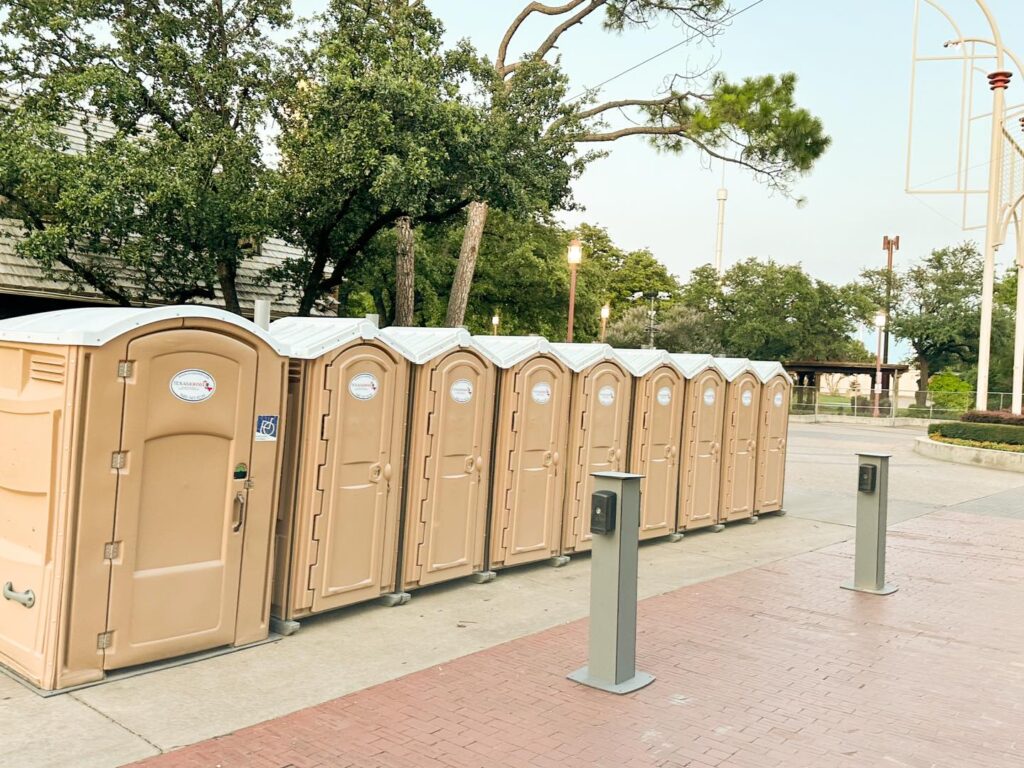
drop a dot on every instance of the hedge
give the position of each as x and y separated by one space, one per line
993 417
1009 434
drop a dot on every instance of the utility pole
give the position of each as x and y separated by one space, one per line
889 245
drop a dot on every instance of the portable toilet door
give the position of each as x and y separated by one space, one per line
700 471
773 433
656 440
151 539
337 525
598 431
450 428
531 443
742 414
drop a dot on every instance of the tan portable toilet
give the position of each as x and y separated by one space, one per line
657 436
451 419
139 467
531 446
700 476
598 431
772 435
742 413
337 523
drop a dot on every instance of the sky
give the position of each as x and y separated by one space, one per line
853 61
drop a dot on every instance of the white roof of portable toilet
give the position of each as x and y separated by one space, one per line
310 337
731 367
691 365
640 362
419 345
766 370
95 326
578 357
507 351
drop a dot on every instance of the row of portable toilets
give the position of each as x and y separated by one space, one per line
152 503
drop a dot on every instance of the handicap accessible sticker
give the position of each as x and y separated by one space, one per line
266 429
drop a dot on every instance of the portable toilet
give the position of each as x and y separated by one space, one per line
139 472
657 436
701 469
598 431
772 434
742 412
451 416
337 523
530 450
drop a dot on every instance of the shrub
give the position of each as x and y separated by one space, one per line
982 433
949 392
993 417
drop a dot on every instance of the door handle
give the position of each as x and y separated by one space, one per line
556 458
611 455
479 463
375 472
238 518
26 598
387 472
470 464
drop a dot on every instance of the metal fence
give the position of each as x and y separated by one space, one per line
939 406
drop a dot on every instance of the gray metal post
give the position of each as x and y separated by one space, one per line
872 512
261 314
613 575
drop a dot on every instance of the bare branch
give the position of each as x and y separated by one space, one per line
556 34
532 8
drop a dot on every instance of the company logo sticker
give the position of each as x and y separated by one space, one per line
462 391
606 395
778 400
541 393
709 396
364 386
747 397
266 429
664 396
193 385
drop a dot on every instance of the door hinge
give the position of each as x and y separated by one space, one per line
125 369
118 459
112 550
104 640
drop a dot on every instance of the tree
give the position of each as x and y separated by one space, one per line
678 328
936 308
771 311
383 123
164 186
754 123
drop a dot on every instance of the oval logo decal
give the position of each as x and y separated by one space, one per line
541 393
193 385
462 391
606 395
664 396
709 396
778 400
747 397
364 386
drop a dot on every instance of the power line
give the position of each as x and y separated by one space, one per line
680 44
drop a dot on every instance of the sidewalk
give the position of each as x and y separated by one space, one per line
774 666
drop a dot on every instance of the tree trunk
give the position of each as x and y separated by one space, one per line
405 272
463 280
227 276
922 383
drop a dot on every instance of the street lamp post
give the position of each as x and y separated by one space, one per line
606 312
575 256
880 324
889 244
495 322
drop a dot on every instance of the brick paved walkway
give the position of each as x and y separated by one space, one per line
774 666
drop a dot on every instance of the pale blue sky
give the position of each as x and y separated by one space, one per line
853 61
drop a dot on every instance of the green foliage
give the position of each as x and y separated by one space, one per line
950 392
170 194
992 433
677 328
988 445
770 311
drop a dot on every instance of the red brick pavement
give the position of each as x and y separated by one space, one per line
774 666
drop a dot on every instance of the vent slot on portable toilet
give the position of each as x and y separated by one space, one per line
48 368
